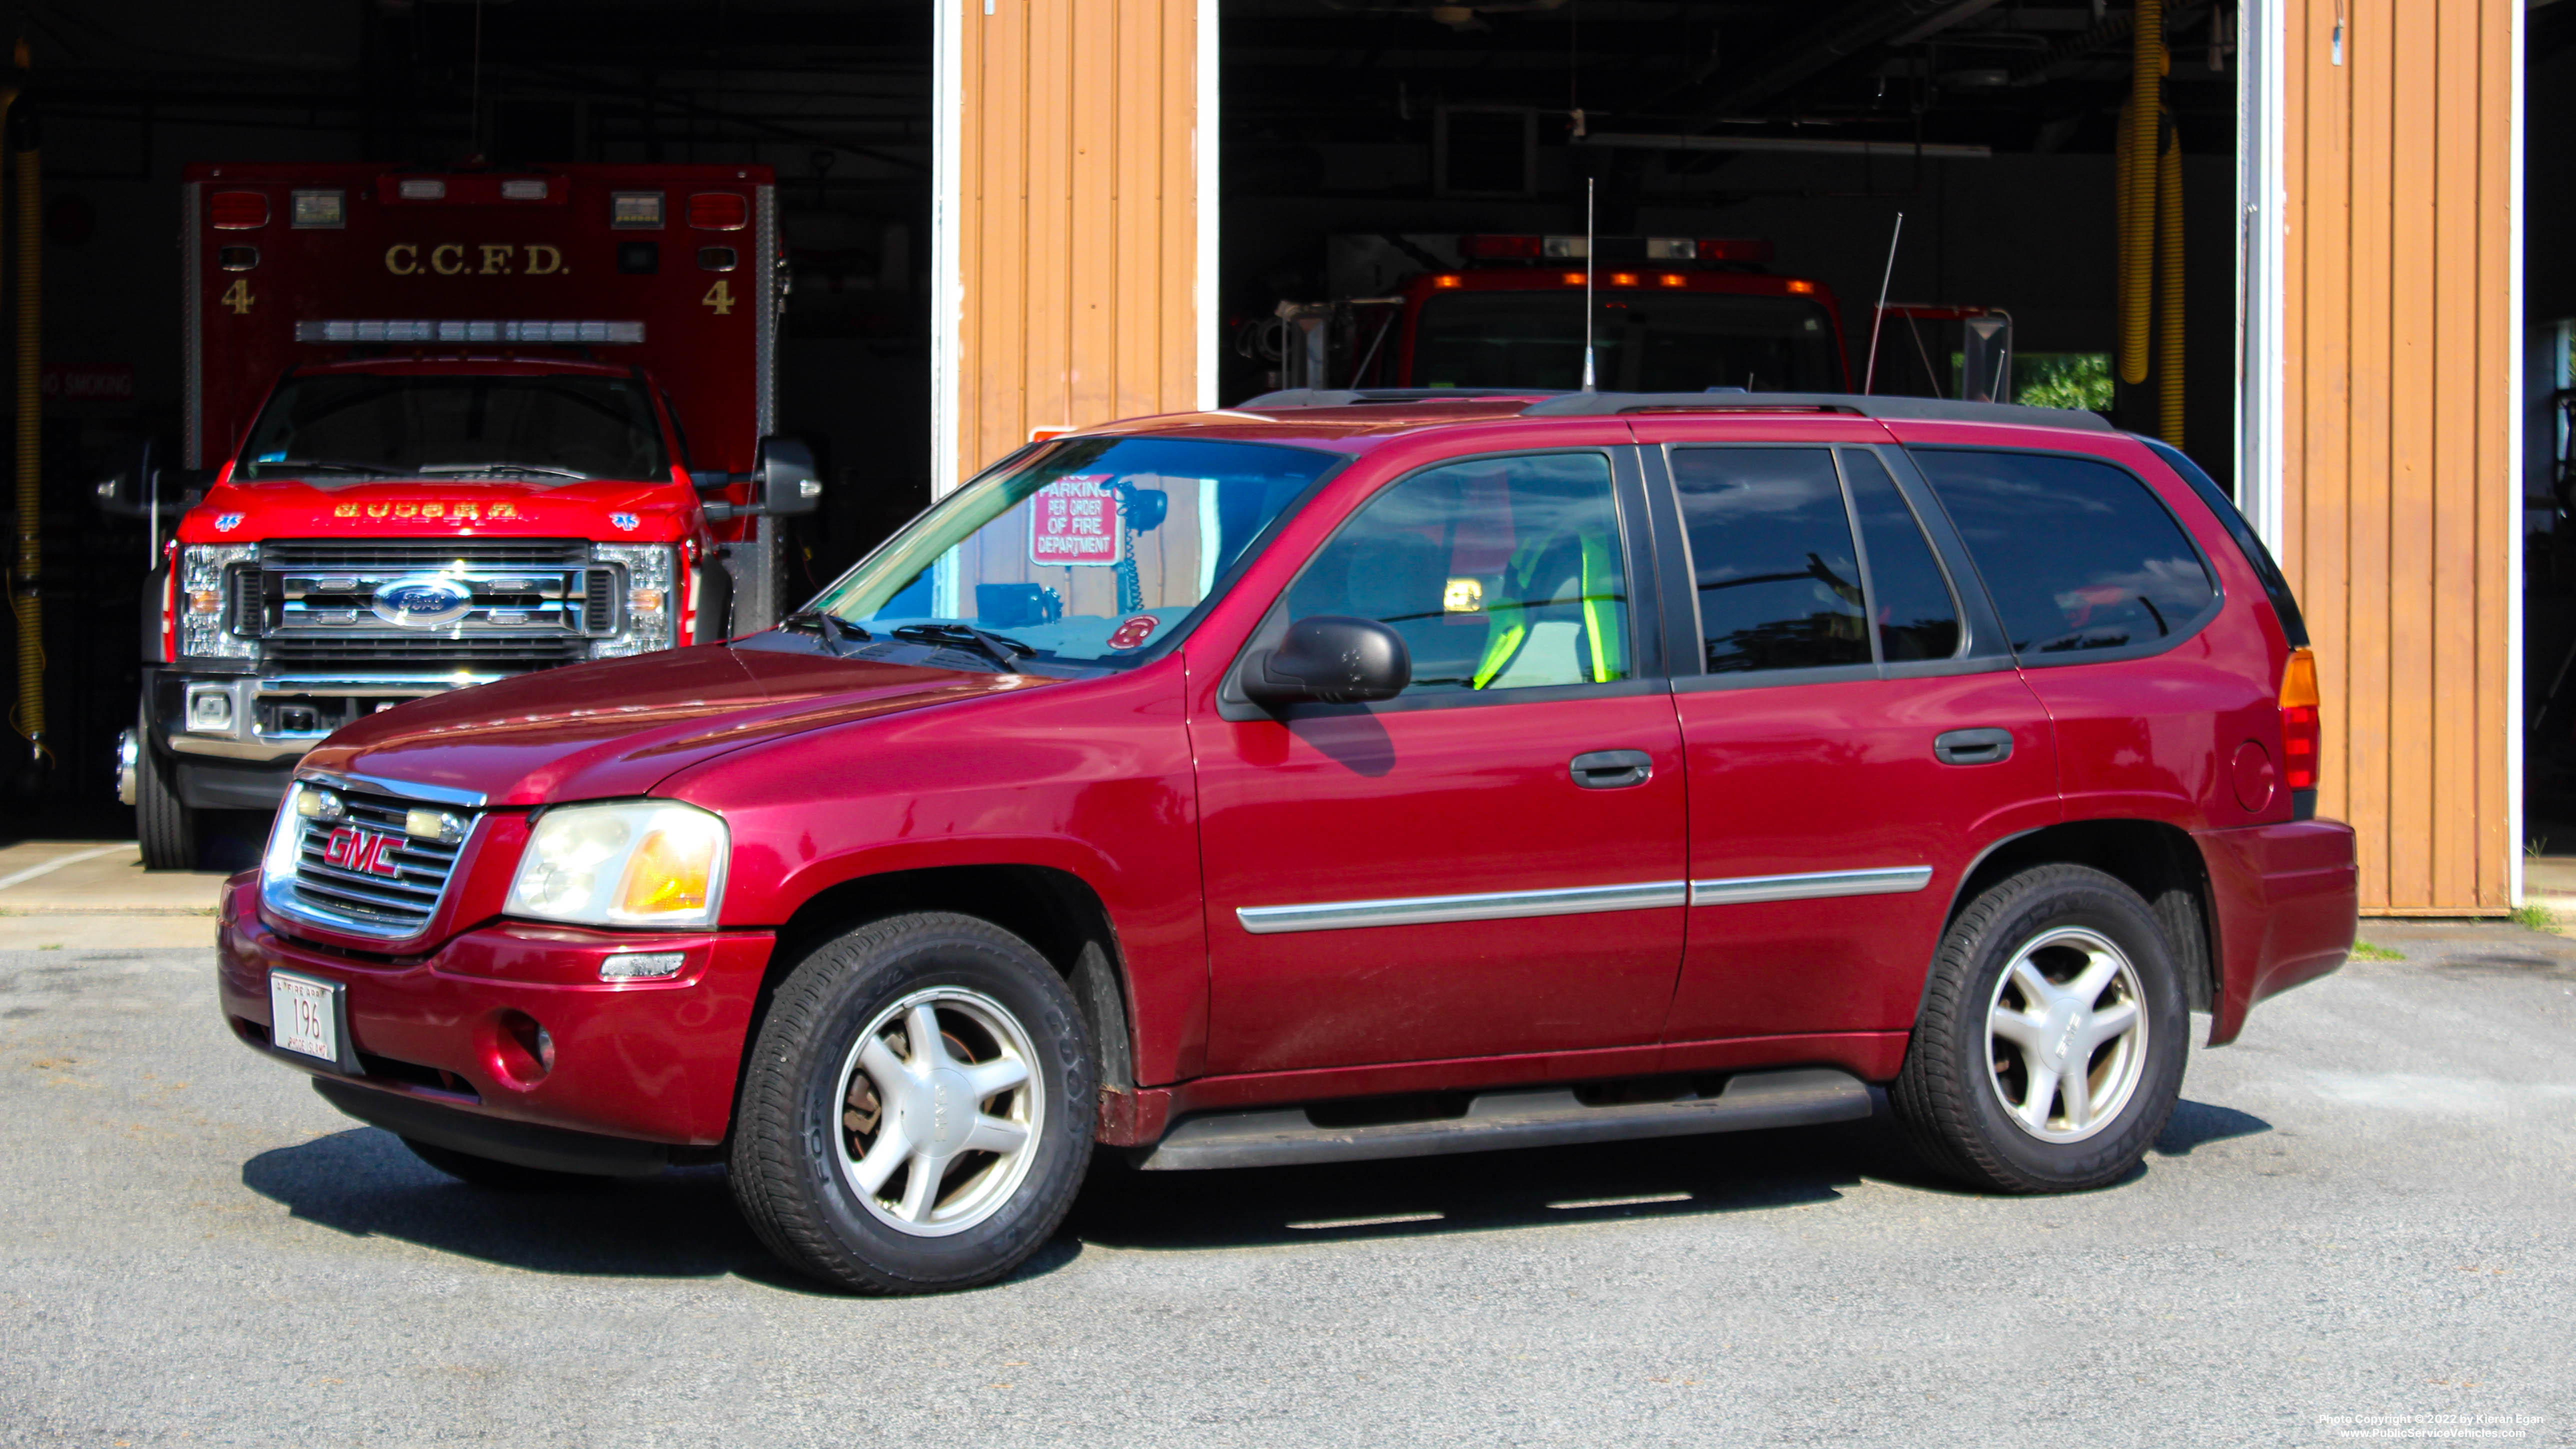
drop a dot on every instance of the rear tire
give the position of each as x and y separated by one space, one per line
2051 1043
164 825
492 1173
918 1109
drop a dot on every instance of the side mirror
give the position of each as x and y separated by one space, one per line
1330 659
148 490
783 479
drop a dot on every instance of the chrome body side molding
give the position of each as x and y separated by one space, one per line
1487 906
1814 885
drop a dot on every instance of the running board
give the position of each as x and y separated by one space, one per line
1546 1117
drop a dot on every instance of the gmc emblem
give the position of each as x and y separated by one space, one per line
351 848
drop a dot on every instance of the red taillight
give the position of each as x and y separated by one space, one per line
2302 724
719 211
1498 248
237 210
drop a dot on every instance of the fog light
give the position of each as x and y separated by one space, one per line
434 825
642 965
210 709
205 601
644 601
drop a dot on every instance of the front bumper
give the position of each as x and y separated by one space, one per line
650 1061
2286 905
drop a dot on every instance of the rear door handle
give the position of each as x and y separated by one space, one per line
1612 769
1972 747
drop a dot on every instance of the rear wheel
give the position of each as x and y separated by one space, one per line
917 1111
2051 1043
163 824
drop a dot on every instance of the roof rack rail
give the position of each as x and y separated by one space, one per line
1343 397
1919 409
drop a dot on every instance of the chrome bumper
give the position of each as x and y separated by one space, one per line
231 729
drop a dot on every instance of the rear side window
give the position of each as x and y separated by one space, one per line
1771 548
2078 555
2285 605
1910 601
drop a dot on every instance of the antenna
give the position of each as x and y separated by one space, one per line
1878 319
1587 284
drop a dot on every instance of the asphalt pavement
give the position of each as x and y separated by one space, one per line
2358 1225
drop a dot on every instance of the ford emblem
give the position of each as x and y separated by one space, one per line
423 601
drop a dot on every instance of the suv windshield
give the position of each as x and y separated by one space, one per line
1090 554
349 428
1642 342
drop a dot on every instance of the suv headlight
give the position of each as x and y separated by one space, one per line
205 601
652 603
633 863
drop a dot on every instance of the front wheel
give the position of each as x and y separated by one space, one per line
917 1109
164 826
2050 1047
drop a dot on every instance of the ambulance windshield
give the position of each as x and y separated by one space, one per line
1092 554
343 428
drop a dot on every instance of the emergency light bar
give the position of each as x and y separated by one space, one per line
408 330
1493 248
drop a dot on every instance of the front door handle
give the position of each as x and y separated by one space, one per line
1972 747
1612 769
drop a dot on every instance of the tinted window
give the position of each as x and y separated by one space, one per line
2077 554
1909 596
1771 548
1500 573
2285 605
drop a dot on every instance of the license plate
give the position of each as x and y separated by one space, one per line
304 1016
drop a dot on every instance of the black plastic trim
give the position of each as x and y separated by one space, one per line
551 1149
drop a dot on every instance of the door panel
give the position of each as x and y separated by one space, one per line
1360 810
1840 777
1436 876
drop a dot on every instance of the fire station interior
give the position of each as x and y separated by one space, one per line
1367 142
833 94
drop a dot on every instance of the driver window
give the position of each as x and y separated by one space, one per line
1500 573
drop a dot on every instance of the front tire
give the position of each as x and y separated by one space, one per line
917 1111
164 826
2051 1043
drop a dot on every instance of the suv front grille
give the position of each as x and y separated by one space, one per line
393 906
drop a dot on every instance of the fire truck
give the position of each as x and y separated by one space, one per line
1484 311
442 427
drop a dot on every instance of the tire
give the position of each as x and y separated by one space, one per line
503 1176
833 1097
1973 1096
163 824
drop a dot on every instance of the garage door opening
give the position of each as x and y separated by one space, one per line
1404 190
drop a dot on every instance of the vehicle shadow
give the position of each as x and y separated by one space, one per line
365 1183
1486 1191
2194 1123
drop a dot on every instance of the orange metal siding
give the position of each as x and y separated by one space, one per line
2398 494
1076 216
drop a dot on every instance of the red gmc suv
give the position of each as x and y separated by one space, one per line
1347 776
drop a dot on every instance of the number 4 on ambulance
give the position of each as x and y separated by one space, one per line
1074 522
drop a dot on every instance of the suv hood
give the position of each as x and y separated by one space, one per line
619 727
607 510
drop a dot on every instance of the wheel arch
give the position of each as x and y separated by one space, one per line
2157 860
1053 909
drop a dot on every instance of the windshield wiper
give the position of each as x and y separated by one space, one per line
428 468
830 628
996 647
332 465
